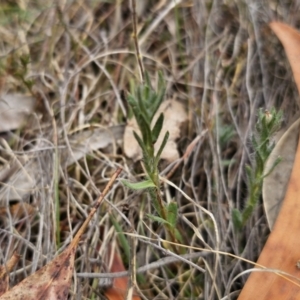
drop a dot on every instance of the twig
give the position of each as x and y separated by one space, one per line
159 19
132 265
157 264
95 208
136 44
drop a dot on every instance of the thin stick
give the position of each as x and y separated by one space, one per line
94 209
154 265
136 43
132 267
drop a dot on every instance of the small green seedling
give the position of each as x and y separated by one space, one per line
268 123
144 103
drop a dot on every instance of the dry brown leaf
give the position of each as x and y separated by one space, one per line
275 184
120 285
52 282
175 116
4 272
281 251
14 108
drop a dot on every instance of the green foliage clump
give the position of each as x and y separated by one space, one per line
144 103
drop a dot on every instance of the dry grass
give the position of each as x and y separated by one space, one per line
219 58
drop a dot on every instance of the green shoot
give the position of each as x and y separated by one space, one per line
268 123
144 103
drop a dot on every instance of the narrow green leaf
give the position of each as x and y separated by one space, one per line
158 219
161 90
147 79
142 98
146 154
237 219
132 86
161 81
151 101
122 238
140 141
248 211
146 95
138 185
131 100
178 236
249 172
172 213
134 107
157 128
158 100
155 203
146 131
161 148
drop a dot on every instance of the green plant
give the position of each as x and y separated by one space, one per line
268 123
144 103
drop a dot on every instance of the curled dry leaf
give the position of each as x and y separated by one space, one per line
275 184
14 108
175 116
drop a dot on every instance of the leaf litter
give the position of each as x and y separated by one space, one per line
80 56
53 280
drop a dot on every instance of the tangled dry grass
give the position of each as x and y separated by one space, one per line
75 58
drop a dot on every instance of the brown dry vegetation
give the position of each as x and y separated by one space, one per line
75 58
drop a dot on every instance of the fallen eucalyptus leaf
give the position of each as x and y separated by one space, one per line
50 282
275 184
